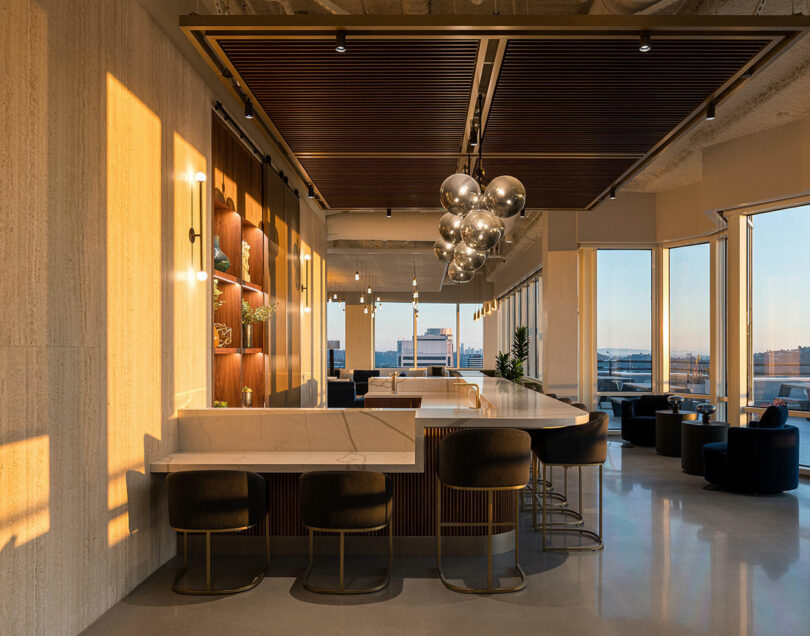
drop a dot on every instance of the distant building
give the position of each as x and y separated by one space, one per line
475 361
435 349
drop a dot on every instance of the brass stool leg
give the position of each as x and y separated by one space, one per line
489 539
596 537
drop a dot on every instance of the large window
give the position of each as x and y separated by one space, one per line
624 317
336 331
435 344
471 338
393 335
780 307
521 308
689 319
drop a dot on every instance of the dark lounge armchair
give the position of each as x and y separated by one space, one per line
361 377
340 394
760 459
638 418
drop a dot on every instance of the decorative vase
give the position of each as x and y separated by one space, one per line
675 402
247 336
247 398
221 261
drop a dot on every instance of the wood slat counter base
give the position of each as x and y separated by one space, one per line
414 513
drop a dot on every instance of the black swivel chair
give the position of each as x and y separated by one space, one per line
340 394
638 418
760 459
361 377
579 445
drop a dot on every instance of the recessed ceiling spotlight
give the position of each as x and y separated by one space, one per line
710 112
248 109
340 42
644 44
612 194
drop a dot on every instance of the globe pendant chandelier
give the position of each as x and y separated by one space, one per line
473 222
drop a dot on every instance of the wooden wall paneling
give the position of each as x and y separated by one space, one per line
275 222
293 213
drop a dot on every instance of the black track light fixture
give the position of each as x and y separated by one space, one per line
523 213
388 213
710 114
248 109
473 136
613 194
644 43
310 191
340 42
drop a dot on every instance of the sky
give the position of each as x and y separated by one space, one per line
781 279
623 299
394 321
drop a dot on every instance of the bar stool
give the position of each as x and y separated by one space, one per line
579 445
346 501
216 501
483 460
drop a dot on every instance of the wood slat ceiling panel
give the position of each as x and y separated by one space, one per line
386 95
603 95
559 183
380 183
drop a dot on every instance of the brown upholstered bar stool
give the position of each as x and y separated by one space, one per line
483 460
578 445
215 501
346 501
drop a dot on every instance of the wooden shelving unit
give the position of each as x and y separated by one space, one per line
237 217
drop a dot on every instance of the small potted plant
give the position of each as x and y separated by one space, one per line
220 404
247 396
252 315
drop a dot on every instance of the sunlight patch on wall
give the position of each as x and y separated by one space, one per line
24 475
134 312
190 331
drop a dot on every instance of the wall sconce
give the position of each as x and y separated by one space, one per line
192 235
306 288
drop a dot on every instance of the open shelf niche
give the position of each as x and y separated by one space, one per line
237 217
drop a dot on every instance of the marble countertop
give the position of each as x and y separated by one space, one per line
290 462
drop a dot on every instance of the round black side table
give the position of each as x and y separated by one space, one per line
668 431
693 436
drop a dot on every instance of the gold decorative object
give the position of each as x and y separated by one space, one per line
224 333
245 261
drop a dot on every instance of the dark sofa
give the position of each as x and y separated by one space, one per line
638 418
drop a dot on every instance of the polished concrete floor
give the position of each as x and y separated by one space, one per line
680 558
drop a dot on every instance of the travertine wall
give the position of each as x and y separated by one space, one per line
104 329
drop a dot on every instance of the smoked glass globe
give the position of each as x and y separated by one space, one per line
458 275
505 196
467 258
450 227
481 230
443 250
459 193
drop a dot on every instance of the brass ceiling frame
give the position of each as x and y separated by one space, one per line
204 31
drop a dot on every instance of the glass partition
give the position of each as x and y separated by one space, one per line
690 319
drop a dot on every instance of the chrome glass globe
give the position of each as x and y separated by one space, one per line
505 196
443 250
481 230
450 227
675 402
458 275
459 193
706 409
467 258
